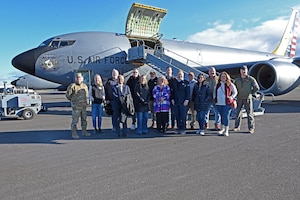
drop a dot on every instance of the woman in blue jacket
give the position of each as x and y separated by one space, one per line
141 98
200 96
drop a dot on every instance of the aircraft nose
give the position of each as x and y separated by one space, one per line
25 61
14 82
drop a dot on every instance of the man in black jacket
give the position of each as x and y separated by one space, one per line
171 79
180 99
132 82
121 96
110 83
151 83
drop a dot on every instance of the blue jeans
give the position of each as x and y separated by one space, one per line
201 119
217 114
97 113
224 111
142 119
180 116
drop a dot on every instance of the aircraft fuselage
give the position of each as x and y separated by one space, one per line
59 57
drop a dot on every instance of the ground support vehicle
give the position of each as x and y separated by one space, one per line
19 102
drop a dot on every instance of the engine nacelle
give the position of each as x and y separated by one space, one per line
276 76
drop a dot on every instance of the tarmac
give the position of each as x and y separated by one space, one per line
40 160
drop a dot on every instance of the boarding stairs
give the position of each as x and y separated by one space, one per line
159 61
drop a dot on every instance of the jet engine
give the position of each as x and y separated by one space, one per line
277 76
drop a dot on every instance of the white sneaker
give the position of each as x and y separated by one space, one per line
132 127
226 132
183 132
221 132
202 132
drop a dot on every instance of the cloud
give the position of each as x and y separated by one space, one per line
264 37
10 77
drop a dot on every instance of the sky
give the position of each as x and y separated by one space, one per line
254 25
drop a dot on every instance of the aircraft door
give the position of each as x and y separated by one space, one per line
144 21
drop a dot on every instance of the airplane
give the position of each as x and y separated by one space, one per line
33 82
141 46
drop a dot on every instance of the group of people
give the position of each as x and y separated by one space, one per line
168 98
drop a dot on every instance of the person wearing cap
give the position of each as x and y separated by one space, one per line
77 93
246 86
152 82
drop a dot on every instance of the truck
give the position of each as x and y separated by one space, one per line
19 102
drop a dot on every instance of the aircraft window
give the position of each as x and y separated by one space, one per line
70 42
59 43
46 43
55 44
63 43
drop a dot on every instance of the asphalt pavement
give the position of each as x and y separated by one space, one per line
40 160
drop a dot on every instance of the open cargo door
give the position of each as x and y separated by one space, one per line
144 21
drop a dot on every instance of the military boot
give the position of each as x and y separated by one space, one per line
74 134
85 133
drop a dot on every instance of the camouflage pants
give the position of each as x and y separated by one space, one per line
76 113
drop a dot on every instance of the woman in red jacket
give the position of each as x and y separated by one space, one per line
224 94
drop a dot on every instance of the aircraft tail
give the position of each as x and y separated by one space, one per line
288 42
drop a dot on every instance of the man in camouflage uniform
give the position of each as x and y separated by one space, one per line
77 93
246 86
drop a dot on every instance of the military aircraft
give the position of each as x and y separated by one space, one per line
141 46
33 82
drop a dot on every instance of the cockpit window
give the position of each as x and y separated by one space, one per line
46 43
57 43
61 43
64 43
54 44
